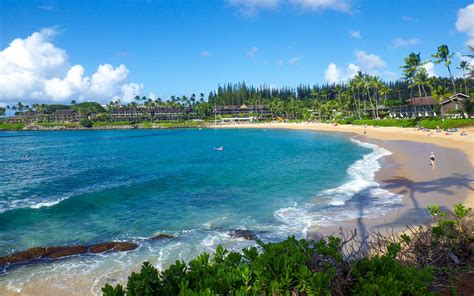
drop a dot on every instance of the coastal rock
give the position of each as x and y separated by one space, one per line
30 254
243 233
59 252
113 247
162 236
64 251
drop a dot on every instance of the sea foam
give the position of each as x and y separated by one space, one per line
340 205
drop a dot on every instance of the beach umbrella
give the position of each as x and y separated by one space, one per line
434 113
419 114
401 115
426 114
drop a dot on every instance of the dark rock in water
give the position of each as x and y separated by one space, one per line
30 254
59 252
113 247
243 233
162 236
64 251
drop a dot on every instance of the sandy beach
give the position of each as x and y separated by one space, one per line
407 171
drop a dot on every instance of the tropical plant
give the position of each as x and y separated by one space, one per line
444 56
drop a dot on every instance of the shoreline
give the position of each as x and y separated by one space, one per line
381 135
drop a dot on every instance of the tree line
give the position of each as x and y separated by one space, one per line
360 96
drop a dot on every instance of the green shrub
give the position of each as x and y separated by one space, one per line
409 265
147 124
446 123
58 124
384 275
11 126
86 122
278 269
111 123
386 122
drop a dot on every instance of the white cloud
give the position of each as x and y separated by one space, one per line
295 60
33 69
369 62
339 5
430 69
205 54
332 74
251 7
465 23
252 52
401 42
355 34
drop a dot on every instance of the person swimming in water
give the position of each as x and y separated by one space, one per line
432 159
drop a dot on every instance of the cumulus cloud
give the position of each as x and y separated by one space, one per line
365 62
401 42
33 69
430 69
465 23
252 7
369 62
252 52
355 34
334 74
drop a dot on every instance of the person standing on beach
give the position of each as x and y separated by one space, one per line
432 159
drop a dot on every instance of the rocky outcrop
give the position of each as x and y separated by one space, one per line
243 233
112 247
162 236
64 251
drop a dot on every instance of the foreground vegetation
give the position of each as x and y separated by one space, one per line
420 261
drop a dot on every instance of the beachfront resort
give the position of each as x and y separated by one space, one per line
237 148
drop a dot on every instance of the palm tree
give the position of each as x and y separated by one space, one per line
464 66
410 69
444 56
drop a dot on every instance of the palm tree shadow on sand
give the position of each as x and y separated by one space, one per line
415 191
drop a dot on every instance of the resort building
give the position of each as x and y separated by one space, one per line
64 116
430 107
154 113
40 117
257 111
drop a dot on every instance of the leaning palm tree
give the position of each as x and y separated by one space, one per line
444 56
464 67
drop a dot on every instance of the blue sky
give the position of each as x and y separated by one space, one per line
183 47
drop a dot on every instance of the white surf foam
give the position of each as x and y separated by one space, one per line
361 181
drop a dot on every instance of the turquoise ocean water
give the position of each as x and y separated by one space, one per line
82 187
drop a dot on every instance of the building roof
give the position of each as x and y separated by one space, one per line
421 101
457 97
